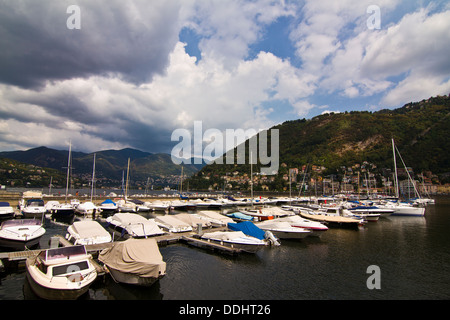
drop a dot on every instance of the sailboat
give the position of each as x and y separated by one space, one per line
400 208
65 211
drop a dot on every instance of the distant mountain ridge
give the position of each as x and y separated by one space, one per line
109 164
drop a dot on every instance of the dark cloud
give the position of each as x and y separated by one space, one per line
132 39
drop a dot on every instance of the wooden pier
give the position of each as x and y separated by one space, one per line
190 238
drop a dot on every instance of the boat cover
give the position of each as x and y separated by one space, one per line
108 201
136 256
4 204
89 229
192 220
248 228
240 215
215 215
224 235
172 220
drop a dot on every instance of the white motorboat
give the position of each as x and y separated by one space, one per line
172 224
283 229
87 232
86 209
6 211
182 205
128 225
107 207
158 205
21 234
63 211
134 261
235 239
61 273
32 208
369 213
139 206
404 209
49 205
126 206
316 228
215 218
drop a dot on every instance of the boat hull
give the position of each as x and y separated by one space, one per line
132 279
55 294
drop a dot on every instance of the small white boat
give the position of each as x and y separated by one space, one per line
128 225
31 208
172 224
134 261
6 211
139 206
158 205
62 273
21 233
404 209
108 207
63 211
87 232
283 230
236 239
86 209
316 228
126 206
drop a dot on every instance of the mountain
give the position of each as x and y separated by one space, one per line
337 141
110 164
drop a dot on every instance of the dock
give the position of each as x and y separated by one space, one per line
189 238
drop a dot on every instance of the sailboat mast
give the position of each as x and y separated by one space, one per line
68 170
395 168
128 174
93 178
251 174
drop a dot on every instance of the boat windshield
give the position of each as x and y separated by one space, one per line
65 252
35 203
21 222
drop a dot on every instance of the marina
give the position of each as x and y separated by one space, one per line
338 258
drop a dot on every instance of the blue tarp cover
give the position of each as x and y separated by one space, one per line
240 215
248 228
108 201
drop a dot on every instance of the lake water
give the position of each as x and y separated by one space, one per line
412 254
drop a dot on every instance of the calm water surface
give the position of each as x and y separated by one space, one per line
412 253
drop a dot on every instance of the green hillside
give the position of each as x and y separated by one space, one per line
336 141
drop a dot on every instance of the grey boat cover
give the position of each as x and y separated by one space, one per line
136 256
89 229
192 220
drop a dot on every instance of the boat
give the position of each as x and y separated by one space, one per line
61 273
258 214
32 208
239 216
193 220
63 212
87 232
6 211
182 205
171 224
31 203
126 206
235 239
158 205
403 209
332 219
21 234
107 208
250 229
283 229
369 213
87 208
139 206
316 228
132 225
134 261
215 218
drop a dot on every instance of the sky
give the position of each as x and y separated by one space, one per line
115 74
